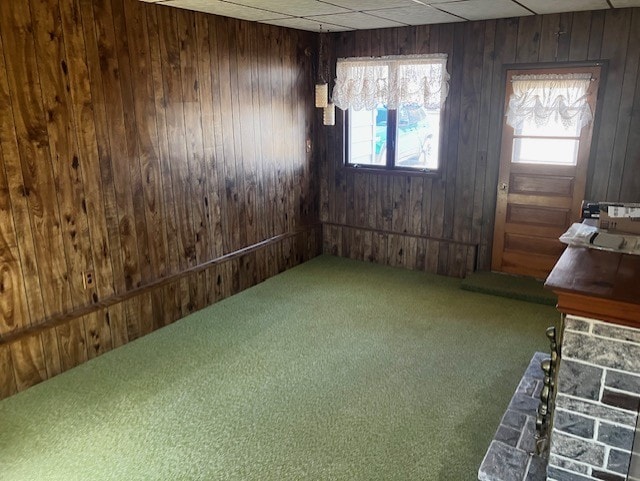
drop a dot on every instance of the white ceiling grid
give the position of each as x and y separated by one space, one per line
340 15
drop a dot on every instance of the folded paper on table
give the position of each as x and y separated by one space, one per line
583 235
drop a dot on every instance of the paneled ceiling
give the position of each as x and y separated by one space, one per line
340 15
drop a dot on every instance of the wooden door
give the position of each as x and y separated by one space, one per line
540 191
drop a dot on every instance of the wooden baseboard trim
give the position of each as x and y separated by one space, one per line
116 299
405 234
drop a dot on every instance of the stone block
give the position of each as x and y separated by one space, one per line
596 410
575 324
568 465
527 386
556 474
616 332
621 400
534 371
538 390
618 461
514 419
575 424
507 435
623 381
602 352
528 440
537 469
577 449
606 476
524 404
579 380
616 436
503 463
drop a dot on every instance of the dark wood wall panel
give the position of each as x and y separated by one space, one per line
456 209
143 144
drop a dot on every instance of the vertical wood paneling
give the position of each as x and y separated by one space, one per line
53 71
177 159
503 53
246 133
72 343
29 364
142 144
15 220
150 186
132 168
13 303
631 184
193 130
175 258
34 155
97 333
471 91
528 40
115 128
455 216
623 131
616 27
117 319
7 378
206 60
95 103
88 158
579 38
478 208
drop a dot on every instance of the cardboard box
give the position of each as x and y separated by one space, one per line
627 225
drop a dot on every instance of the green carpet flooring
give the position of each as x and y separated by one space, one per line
505 285
334 370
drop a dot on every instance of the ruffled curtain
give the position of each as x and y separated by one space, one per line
542 98
365 83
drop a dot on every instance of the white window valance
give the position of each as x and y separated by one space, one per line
553 97
366 82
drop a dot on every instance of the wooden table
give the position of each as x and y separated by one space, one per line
598 284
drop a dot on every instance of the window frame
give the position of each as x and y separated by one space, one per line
389 167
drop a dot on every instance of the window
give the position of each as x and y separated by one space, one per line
392 110
407 137
547 113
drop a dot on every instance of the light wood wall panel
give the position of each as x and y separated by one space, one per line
451 215
162 150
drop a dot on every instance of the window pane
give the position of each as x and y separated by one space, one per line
417 137
368 136
545 151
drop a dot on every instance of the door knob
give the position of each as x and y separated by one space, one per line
503 186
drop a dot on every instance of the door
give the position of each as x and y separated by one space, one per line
543 166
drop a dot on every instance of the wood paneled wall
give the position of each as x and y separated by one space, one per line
149 146
444 224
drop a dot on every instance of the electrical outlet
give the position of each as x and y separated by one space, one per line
87 279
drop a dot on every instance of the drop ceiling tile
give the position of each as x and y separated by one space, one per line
484 9
416 15
307 24
295 8
625 3
363 5
554 6
225 9
357 20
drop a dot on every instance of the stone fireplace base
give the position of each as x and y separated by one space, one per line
511 455
597 401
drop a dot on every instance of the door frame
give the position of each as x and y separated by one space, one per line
589 169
